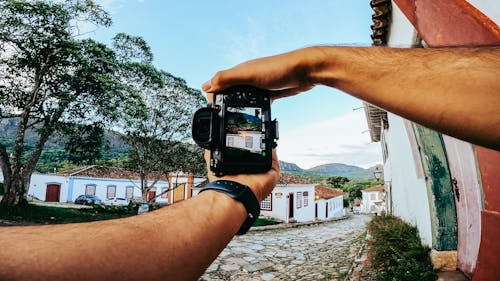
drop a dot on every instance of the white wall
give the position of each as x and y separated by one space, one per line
38 186
280 205
410 199
368 204
78 185
335 208
409 194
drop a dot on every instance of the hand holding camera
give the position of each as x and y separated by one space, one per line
238 130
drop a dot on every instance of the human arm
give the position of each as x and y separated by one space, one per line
452 90
177 242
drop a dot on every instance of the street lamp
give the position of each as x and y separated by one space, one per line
377 173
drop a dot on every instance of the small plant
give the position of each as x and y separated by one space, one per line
396 251
263 222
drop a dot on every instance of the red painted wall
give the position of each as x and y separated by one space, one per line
457 23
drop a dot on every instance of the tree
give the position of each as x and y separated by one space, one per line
51 80
337 182
84 144
156 139
354 188
156 131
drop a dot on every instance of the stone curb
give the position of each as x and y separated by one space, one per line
295 224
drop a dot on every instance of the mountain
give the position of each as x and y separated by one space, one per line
290 167
333 169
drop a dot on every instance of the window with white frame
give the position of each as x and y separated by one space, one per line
305 194
129 192
373 196
90 189
111 191
299 200
267 203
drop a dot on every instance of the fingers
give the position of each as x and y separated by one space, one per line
226 78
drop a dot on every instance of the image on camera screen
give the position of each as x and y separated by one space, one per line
244 132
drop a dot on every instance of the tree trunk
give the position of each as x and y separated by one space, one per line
16 191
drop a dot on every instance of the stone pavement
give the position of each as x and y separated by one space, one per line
316 252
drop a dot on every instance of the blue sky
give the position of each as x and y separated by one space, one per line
195 39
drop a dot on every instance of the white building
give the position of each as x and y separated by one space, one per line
329 203
303 203
373 200
107 182
290 203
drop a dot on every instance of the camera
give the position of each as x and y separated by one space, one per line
238 130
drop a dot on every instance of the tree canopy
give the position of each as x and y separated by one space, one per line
53 80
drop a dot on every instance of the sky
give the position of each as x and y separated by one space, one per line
195 39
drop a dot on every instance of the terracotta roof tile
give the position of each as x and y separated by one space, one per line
323 192
108 172
292 179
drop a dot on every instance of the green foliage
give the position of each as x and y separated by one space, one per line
310 177
130 209
84 144
337 182
353 188
263 222
44 214
52 80
397 252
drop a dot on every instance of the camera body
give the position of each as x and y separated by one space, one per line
238 130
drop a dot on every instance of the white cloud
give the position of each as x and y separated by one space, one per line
343 139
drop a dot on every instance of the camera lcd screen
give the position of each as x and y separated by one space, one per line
244 134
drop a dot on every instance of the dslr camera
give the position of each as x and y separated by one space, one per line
238 130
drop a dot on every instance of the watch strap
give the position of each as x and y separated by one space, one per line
241 193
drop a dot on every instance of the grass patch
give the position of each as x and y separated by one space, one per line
396 251
263 222
53 215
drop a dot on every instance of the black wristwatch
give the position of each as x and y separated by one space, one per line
241 193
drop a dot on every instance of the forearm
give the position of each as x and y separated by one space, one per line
454 91
174 243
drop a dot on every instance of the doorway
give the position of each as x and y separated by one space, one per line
53 193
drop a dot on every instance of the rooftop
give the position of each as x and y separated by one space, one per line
323 192
95 171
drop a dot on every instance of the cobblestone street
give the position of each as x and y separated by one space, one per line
316 252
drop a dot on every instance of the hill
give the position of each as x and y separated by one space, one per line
290 167
328 170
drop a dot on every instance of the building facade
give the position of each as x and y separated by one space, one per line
109 182
447 187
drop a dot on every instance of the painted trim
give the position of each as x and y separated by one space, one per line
450 23
53 182
69 197
414 149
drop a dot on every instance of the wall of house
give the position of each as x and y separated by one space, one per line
368 204
38 186
462 25
78 185
410 198
280 203
335 208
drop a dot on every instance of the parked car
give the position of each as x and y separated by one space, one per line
88 200
117 201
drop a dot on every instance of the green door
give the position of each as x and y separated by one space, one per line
439 188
